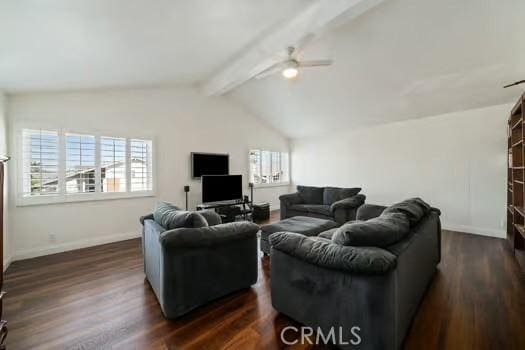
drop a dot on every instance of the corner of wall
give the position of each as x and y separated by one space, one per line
7 253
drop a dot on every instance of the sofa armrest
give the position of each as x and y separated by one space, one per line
323 252
145 217
291 199
348 203
369 211
209 236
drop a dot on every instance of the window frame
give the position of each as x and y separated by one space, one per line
63 196
272 184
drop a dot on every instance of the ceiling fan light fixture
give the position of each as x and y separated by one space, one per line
290 72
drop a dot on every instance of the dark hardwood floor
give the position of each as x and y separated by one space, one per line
97 298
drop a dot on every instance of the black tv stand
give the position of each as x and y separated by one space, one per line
245 211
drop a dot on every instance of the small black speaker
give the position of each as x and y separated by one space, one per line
186 189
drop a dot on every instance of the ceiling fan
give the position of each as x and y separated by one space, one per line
289 68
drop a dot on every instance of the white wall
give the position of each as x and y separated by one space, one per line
456 162
179 120
3 151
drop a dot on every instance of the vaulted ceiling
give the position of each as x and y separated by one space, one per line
394 59
402 59
73 44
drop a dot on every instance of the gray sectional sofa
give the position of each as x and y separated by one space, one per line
370 274
191 258
329 203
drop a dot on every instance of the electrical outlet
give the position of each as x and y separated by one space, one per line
52 238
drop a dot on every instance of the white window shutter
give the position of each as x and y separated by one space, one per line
141 161
80 167
113 164
40 158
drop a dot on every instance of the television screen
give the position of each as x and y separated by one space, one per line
217 188
209 164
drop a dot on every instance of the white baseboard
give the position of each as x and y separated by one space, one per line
475 230
63 247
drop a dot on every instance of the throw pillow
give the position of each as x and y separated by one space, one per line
334 194
380 232
211 217
413 208
170 217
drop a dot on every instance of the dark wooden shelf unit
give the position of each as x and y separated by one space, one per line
3 323
516 182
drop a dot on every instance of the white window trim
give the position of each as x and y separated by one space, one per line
273 184
64 197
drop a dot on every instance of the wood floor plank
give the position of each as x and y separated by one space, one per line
97 298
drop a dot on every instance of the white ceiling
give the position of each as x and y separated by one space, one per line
403 59
72 44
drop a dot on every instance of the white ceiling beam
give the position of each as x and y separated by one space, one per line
315 19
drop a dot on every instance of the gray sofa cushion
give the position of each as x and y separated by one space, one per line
312 208
170 217
304 225
328 233
378 232
310 194
300 207
413 208
348 202
212 218
319 209
322 252
349 192
369 211
208 236
333 194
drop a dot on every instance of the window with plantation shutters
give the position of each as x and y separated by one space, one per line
267 167
40 170
113 164
80 163
59 166
141 165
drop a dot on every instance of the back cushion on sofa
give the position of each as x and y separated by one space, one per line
310 194
211 217
334 194
413 208
349 192
170 217
377 232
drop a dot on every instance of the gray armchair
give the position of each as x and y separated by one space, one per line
188 267
332 203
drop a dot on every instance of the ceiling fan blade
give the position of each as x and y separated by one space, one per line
315 63
270 70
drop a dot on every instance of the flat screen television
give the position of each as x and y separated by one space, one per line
218 188
209 164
